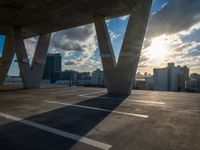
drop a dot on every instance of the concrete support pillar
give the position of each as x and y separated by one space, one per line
120 77
31 75
39 59
6 59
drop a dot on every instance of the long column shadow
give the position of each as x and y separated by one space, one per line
17 136
10 88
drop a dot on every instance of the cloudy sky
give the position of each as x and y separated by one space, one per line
173 35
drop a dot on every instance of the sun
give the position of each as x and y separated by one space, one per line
158 49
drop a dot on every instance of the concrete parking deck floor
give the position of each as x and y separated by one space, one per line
78 118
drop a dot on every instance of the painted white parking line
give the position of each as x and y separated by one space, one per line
142 101
72 136
112 98
92 93
68 90
99 109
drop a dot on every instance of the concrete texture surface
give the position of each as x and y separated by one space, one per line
119 76
31 72
45 16
100 121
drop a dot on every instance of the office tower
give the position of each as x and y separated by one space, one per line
53 64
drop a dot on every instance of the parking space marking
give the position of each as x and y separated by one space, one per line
92 93
98 109
72 136
142 101
112 98
68 90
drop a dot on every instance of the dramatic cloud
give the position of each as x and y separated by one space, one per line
76 39
30 45
180 52
143 58
78 45
90 65
113 35
171 24
124 17
175 16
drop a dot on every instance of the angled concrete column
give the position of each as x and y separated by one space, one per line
120 77
31 75
39 59
6 59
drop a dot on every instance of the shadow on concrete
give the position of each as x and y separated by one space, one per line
17 136
10 88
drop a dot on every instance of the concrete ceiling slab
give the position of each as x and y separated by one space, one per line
43 16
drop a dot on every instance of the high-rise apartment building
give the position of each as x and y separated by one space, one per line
171 78
97 78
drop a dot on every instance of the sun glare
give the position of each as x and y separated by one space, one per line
158 49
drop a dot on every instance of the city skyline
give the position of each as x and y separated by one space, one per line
172 77
172 36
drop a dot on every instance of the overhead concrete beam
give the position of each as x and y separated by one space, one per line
36 17
120 77
31 75
6 58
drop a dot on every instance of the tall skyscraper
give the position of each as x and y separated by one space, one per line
53 64
170 78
